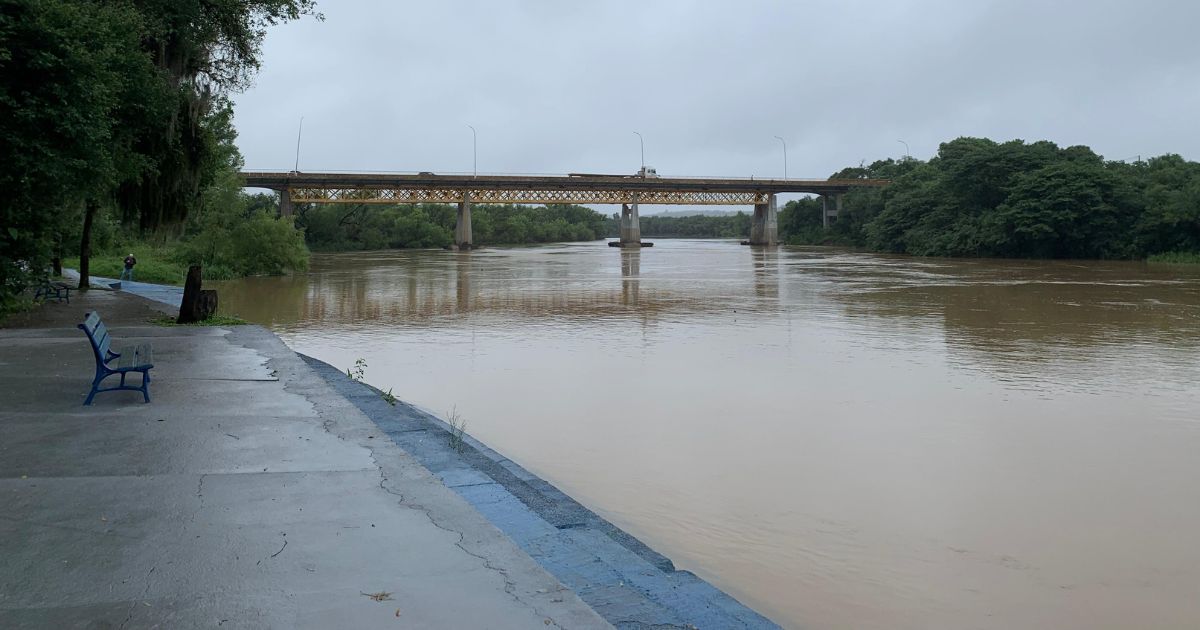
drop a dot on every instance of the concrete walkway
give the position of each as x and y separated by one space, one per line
249 494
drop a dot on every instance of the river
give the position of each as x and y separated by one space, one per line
837 439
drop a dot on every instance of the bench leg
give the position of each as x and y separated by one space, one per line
95 390
146 385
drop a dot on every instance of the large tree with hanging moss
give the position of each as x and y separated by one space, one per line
112 102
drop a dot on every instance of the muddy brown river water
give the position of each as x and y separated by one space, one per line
838 439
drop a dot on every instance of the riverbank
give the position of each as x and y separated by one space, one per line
627 582
248 494
588 558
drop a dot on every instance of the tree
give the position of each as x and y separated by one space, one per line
203 50
65 72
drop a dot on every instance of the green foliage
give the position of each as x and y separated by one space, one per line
13 304
123 102
1177 258
214 320
355 227
239 239
458 430
202 50
696 226
66 68
359 371
230 244
1016 200
156 263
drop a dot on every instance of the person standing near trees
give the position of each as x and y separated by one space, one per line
130 261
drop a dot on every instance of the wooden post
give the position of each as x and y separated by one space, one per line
198 305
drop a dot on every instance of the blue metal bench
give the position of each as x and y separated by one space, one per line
47 289
138 358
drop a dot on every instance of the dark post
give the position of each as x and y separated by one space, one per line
198 305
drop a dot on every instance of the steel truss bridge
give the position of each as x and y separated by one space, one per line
580 188
364 188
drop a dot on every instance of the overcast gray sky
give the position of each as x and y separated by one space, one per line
556 86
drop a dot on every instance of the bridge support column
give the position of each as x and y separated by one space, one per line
462 229
285 203
631 227
827 212
764 227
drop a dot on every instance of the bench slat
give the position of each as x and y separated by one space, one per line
133 357
91 321
103 343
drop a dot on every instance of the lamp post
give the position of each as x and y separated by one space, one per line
474 153
298 132
906 153
642 146
784 155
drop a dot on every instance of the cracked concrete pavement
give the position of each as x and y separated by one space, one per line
248 494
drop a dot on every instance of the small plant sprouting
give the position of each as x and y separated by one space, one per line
358 371
458 427
388 397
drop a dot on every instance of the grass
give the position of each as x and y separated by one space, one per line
215 320
155 264
458 428
14 305
359 372
1183 258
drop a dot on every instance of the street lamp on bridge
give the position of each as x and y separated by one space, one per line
474 153
642 145
784 155
298 132
906 153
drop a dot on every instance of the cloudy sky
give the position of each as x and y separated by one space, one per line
557 86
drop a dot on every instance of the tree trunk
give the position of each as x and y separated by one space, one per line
56 261
85 243
191 295
197 305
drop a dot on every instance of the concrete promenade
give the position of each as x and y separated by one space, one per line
248 494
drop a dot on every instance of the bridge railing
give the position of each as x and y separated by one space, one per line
750 178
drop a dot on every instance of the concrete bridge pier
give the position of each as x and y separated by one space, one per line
764 227
631 271
827 212
463 238
285 203
631 227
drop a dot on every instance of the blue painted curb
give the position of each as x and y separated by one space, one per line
626 582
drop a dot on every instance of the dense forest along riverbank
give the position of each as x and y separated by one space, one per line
838 439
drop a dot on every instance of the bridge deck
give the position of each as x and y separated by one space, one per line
584 189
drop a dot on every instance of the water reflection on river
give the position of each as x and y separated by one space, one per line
840 440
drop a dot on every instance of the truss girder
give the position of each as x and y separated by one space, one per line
384 195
